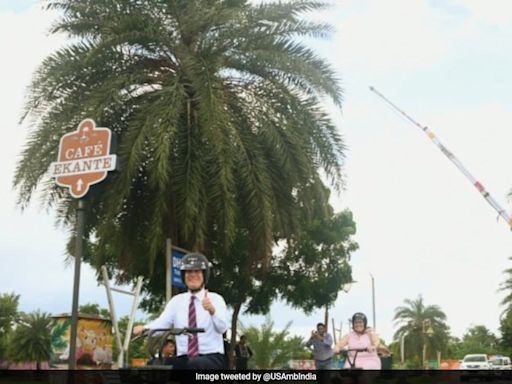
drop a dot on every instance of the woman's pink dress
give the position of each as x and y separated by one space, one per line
364 360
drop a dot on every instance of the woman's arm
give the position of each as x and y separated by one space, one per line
374 338
341 344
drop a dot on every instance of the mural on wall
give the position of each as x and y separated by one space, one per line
93 344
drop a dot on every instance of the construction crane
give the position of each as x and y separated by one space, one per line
487 196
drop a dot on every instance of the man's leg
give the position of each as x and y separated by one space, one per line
210 361
177 362
324 364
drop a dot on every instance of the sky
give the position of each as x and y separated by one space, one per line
422 228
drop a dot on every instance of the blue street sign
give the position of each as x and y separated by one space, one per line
175 273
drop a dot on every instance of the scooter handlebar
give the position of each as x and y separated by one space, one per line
171 331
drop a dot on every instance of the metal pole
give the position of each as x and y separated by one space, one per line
168 270
478 185
373 302
402 350
424 344
424 354
135 304
113 317
80 218
326 317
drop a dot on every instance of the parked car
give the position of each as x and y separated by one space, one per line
475 361
475 365
499 362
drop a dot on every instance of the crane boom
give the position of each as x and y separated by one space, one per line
479 186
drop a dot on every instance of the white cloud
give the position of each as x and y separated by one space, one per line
390 35
24 40
492 12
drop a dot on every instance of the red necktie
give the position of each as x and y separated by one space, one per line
193 345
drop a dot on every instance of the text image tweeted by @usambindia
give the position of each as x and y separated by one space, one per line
264 377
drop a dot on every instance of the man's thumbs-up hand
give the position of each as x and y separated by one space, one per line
207 304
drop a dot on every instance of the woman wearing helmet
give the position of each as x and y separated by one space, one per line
361 337
196 308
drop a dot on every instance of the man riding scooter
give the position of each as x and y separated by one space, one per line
196 308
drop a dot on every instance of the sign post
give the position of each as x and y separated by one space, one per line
168 270
84 159
177 254
173 256
80 221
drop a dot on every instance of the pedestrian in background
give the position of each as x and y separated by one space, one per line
243 353
321 342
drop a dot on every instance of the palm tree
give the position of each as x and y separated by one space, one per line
506 287
411 320
8 316
506 315
31 340
218 110
273 349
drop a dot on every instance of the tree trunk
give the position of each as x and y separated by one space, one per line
234 323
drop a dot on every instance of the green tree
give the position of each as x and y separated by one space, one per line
137 348
505 341
31 339
410 320
477 339
273 349
506 316
8 315
453 348
218 110
315 266
307 273
506 287
93 309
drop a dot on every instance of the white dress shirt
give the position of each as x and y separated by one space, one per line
175 315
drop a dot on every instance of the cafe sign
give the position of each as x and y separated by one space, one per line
84 158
